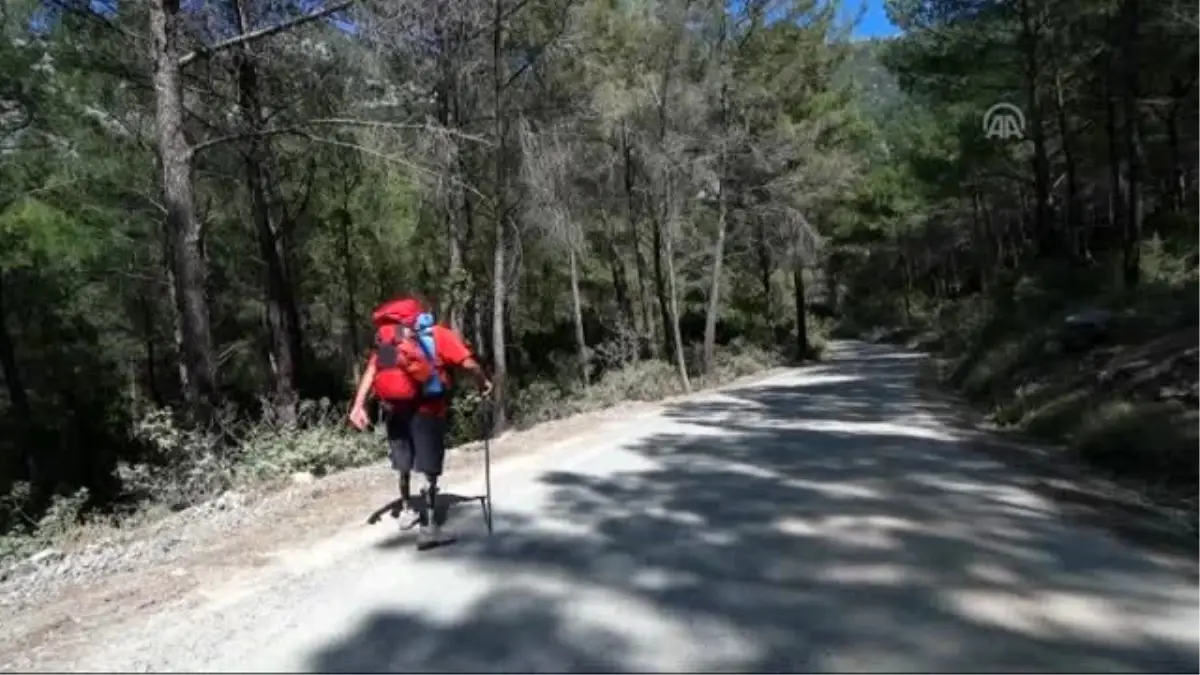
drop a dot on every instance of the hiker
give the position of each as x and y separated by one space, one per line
408 373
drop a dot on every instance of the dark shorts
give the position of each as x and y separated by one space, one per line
416 442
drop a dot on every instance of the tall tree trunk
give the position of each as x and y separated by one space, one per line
181 369
673 308
293 323
1072 224
18 396
616 268
660 281
453 289
479 335
1177 169
1043 224
1178 183
662 214
1112 128
833 273
985 260
765 265
183 227
350 281
279 316
468 281
149 344
577 315
1132 240
635 240
714 289
803 350
499 203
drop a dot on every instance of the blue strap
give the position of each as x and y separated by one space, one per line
424 325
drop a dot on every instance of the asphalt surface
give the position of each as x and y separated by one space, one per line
823 520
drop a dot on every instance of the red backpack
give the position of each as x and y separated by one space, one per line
406 362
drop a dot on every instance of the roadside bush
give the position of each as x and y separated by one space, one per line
185 467
1153 440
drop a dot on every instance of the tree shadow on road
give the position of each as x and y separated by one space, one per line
814 528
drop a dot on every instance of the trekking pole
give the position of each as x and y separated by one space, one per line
487 464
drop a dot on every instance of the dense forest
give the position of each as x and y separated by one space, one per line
202 202
1053 272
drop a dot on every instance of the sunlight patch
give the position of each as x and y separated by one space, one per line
568 526
1004 494
727 465
894 356
1079 613
716 537
685 518
996 608
1012 496
882 574
992 573
1047 613
1175 621
814 380
653 639
872 429
870 532
844 490
797 527
749 470
658 579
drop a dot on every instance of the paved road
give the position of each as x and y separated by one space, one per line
822 520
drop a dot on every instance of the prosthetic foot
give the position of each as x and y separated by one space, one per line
431 534
408 515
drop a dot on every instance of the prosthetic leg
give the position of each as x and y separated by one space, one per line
406 507
431 518
402 507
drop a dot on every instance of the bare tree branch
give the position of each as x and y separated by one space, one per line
263 32
298 129
391 159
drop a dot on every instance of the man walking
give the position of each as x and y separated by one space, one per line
409 372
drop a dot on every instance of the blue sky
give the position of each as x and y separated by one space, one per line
874 21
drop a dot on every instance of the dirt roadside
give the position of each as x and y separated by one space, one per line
1080 491
188 559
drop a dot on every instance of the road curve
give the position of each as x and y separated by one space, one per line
823 520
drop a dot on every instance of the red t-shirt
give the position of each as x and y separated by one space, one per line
452 352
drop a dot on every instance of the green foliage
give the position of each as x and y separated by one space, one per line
364 166
34 233
941 244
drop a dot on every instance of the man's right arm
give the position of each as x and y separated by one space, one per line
454 351
472 366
